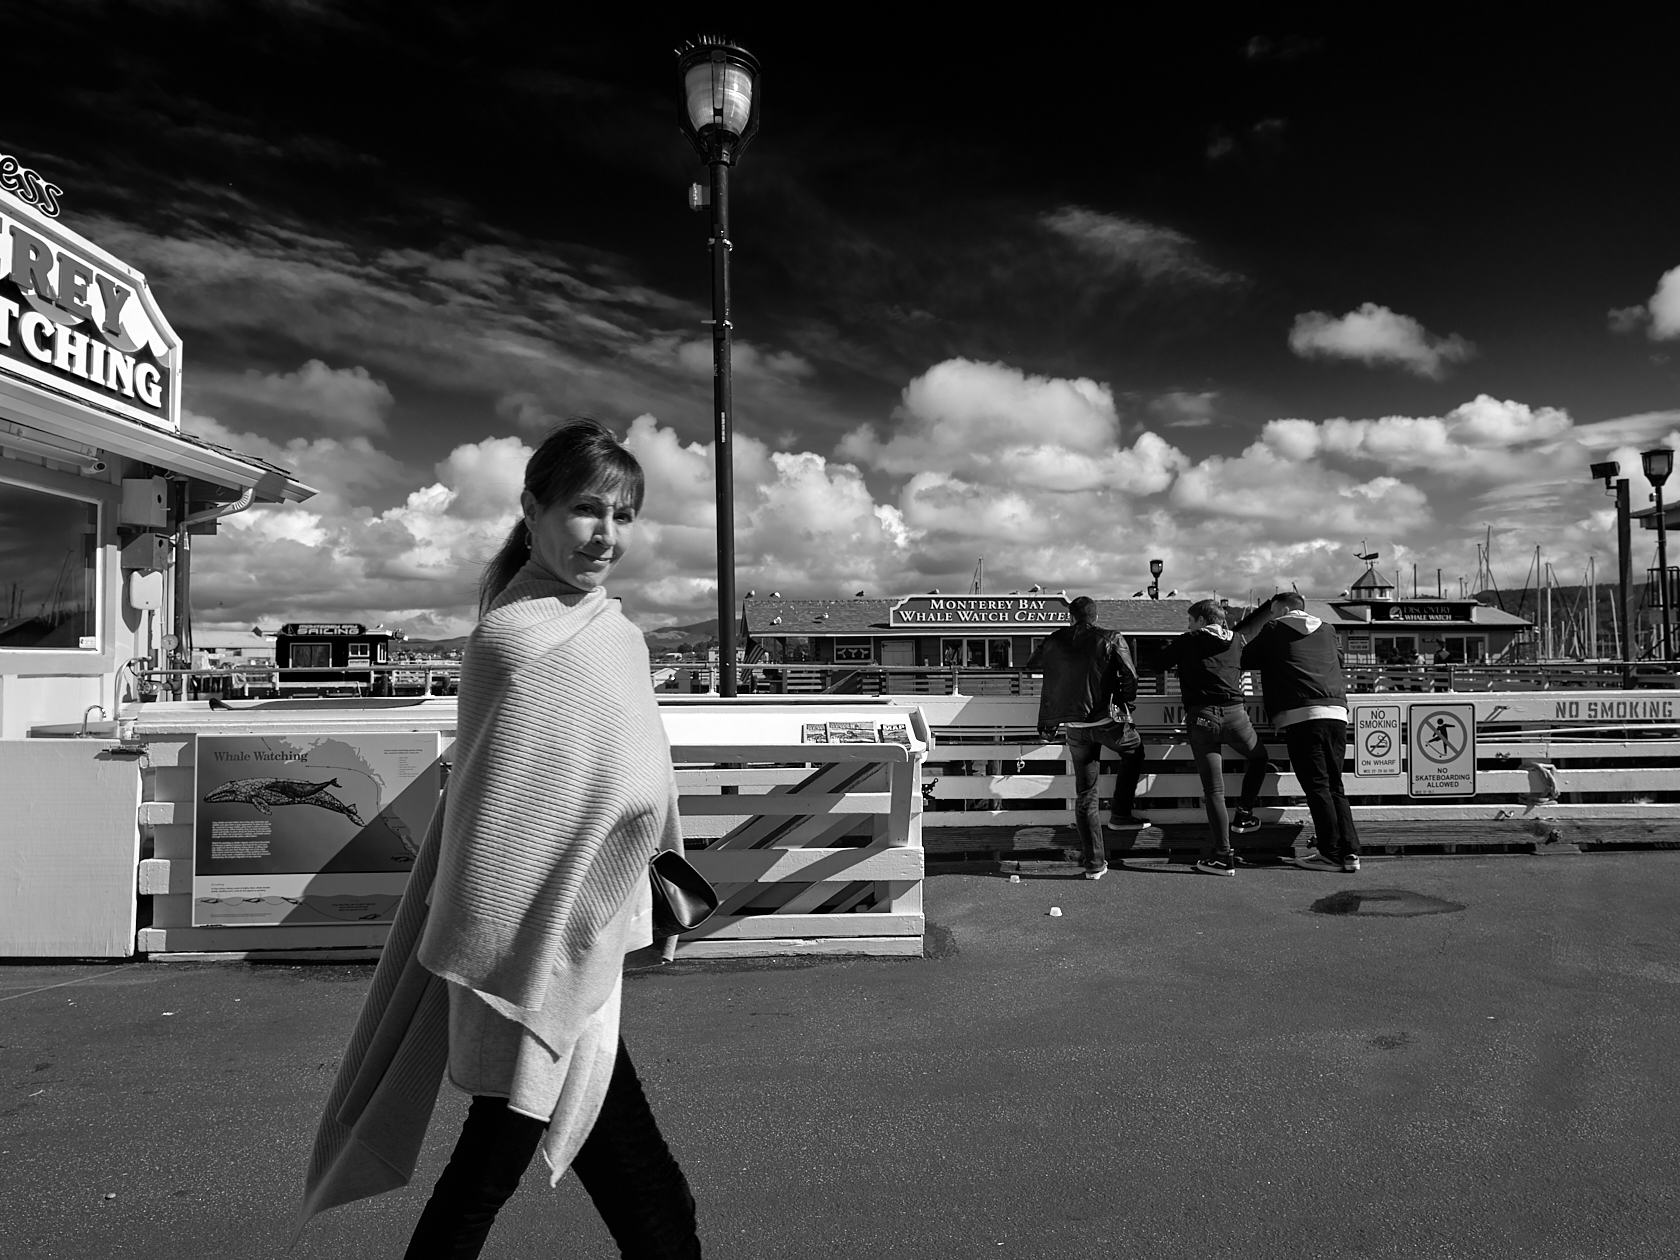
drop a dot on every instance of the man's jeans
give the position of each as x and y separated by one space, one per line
1316 751
1212 727
1085 745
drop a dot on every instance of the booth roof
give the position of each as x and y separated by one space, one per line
63 417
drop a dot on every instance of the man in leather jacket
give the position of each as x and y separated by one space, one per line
1089 687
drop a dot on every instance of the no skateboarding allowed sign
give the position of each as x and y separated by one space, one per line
1443 749
1376 740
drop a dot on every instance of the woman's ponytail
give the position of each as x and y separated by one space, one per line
507 561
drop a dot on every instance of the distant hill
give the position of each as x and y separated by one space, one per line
666 638
435 645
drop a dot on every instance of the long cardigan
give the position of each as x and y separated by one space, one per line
562 791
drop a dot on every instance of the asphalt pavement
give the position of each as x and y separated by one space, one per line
1448 1057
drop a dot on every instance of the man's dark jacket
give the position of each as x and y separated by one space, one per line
1210 661
1298 664
1087 670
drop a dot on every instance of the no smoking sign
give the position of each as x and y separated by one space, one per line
1376 740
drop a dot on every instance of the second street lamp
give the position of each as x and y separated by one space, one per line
1155 567
1614 483
1658 464
718 82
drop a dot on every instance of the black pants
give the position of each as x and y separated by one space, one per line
1316 751
624 1165
1212 728
1085 745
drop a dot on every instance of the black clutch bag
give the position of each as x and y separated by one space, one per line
682 896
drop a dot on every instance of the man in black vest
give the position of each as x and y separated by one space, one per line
1306 699
1089 687
1208 658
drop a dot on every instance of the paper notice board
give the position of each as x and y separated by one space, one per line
308 829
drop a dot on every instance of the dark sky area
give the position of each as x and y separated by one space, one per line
1150 204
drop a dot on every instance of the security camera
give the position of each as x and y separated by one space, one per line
1608 471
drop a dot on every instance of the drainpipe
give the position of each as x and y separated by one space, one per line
183 571
221 509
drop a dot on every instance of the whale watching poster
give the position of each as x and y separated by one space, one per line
308 829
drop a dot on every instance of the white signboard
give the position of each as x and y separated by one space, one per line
308 828
1376 740
1443 749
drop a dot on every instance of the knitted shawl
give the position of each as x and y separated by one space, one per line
559 750
562 791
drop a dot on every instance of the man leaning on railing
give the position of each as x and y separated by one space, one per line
1089 687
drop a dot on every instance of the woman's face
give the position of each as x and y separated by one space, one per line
579 539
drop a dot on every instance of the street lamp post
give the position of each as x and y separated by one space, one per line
1658 464
1155 567
718 81
1614 483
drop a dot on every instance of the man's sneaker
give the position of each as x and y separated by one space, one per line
1350 865
1127 820
1218 864
1244 821
1316 861
1097 874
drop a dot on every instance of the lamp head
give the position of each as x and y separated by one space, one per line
1657 464
1155 567
718 85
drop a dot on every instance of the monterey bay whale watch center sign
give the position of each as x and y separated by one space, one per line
980 610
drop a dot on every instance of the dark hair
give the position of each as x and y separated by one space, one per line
1084 610
1291 600
1208 610
580 455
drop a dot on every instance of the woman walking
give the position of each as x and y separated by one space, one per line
505 963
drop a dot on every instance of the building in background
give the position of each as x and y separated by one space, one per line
999 632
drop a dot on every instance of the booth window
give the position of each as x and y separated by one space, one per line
976 653
1401 649
311 656
49 569
1465 649
361 651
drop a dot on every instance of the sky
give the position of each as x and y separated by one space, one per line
1247 296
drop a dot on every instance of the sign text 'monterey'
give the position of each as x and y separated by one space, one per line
980 610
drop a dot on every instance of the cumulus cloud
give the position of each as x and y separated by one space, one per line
1152 252
1375 335
1660 317
993 424
977 459
1474 440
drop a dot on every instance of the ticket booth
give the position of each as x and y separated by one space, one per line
101 495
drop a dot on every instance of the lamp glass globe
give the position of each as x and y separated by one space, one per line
718 92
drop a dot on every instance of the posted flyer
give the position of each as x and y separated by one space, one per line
308 829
